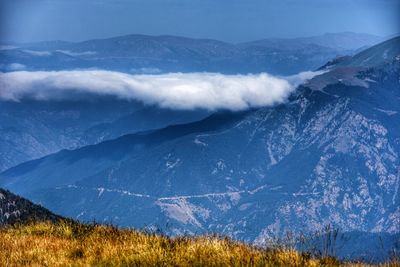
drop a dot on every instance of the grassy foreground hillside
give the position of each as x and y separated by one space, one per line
75 244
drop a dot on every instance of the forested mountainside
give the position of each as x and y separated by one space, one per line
15 209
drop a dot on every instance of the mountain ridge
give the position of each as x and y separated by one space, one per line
340 40
162 54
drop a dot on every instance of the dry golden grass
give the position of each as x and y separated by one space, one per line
74 244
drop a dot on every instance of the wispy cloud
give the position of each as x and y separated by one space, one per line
37 53
8 47
74 54
175 90
14 67
145 70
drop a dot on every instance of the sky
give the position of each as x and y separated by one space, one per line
227 20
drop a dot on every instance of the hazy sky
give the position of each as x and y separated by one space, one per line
229 20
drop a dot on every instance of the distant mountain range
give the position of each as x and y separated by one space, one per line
162 54
330 155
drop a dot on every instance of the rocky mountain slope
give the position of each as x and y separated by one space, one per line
378 55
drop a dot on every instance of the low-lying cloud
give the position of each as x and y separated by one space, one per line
210 91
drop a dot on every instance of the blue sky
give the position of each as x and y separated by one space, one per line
228 20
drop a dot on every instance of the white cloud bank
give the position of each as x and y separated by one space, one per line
175 90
